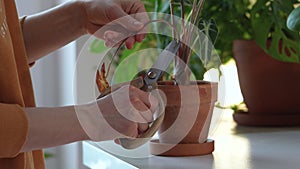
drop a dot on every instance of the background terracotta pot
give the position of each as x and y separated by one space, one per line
271 88
187 119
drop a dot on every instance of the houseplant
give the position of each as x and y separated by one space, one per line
181 104
269 75
189 102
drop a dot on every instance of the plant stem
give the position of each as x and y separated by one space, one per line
189 32
114 55
182 17
172 16
174 29
183 37
176 61
194 20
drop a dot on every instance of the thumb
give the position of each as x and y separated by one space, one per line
124 19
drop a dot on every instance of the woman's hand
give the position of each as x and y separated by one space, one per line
121 114
128 16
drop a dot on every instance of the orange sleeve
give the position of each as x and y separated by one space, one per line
13 129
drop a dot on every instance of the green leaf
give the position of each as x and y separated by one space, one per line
262 21
209 28
260 18
48 155
268 20
282 48
97 46
293 21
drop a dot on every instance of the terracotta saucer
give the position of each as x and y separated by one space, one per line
164 149
248 119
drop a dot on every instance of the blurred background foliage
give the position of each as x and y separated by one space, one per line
160 40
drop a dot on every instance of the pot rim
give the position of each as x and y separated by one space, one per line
172 83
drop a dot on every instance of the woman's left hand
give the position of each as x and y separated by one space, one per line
128 15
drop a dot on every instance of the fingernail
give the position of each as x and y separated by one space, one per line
108 35
128 46
108 44
140 37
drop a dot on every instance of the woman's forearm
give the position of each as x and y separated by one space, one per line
52 29
50 127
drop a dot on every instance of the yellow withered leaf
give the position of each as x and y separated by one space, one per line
101 80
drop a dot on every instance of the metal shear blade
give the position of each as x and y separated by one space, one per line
161 64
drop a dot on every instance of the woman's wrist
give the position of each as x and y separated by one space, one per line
81 15
76 7
48 127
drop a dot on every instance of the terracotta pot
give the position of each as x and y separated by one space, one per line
271 88
187 119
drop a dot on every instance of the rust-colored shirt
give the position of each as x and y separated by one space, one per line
15 92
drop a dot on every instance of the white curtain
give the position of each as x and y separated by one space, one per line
52 80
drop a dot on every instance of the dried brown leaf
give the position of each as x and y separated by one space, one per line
101 80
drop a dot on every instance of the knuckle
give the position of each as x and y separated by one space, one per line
111 9
143 127
148 115
112 6
139 5
154 101
131 87
134 100
131 130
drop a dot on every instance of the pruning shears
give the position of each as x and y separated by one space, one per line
147 81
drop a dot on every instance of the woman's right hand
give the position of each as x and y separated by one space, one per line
125 113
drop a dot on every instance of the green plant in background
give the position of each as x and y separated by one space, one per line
189 11
259 20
